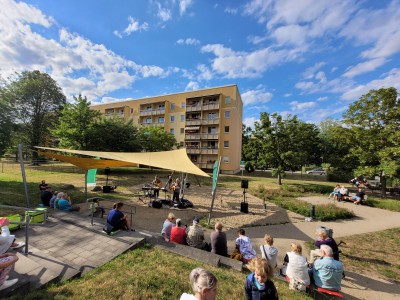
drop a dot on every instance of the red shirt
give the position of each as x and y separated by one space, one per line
178 235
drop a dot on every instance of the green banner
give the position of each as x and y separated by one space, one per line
91 177
215 175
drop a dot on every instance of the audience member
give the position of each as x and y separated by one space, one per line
297 268
42 185
327 272
167 226
195 236
178 233
52 199
96 209
218 240
117 219
323 239
65 203
60 195
7 261
359 196
342 192
204 285
259 285
46 195
335 192
6 239
268 251
243 245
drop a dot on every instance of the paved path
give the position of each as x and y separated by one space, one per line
355 286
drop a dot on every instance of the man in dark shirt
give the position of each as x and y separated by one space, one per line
117 219
218 241
42 186
359 196
46 196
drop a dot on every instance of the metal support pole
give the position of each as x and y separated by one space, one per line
23 175
27 221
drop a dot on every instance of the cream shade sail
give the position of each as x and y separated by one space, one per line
176 160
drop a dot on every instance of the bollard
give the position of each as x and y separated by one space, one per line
312 211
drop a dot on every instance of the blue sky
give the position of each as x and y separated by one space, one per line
304 57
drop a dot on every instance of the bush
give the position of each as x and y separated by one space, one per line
249 167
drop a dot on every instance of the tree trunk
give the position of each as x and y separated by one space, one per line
279 179
383 183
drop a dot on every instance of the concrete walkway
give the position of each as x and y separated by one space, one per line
355 286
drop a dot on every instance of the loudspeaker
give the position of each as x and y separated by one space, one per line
107 188
244 207
156 204
245 184
107 171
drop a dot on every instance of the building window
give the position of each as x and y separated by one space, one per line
226 159
212 116
172 106
182 118
226 129
212 130
227 114
182 130
180 144
227 100
172 131
172 119
226 144
148 107
183 105
160 119
148 120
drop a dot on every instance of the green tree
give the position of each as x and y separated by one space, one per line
375 124
6 124
37 99
115 135
75 127
155 138
284 143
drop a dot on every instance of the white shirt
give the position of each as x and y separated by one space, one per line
187 297
6 239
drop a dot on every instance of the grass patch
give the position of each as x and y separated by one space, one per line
388 204
148 274
378 255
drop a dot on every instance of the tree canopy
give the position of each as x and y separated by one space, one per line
155 138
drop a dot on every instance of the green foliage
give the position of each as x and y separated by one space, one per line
249 167
155 138
76 124
37 101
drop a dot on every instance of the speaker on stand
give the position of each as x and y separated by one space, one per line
244 206
107 188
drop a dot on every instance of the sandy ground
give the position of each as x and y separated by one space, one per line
283 225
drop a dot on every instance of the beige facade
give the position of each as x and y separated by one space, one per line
207 122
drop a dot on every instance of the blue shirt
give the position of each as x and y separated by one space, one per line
328 273
114 217
64 204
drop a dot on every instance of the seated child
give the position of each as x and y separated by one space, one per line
335 193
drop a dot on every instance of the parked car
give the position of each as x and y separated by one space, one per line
318 171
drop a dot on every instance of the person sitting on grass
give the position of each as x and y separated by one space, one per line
65 203
358 197
178 233
323 239
244 247
7 240
259 285
52 199
268 251
117 219
327 271
167 226
297 268
195 236
204 285
46 195
335 193
7 261
218 240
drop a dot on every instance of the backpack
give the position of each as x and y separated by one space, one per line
297 285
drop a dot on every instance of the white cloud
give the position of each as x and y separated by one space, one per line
391 79
364 67
233 64
184 5
163 13
256 97
132 27
112 100
258 9
192 85
255 39
321 99
287 95
188 41
302 106
204 73
230 10
249 122
309 73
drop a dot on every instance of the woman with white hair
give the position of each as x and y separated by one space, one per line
204 285
323 239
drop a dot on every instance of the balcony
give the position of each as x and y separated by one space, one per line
192 136
209 150
193 122
193 150
152 112
209 136
205 165
210 121
210 106
196 107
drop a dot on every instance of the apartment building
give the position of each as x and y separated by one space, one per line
207 122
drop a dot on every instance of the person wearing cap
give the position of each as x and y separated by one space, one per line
195 236
218 240
178 233
6 239
167 226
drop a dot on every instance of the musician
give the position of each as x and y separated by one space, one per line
156 185
176 187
